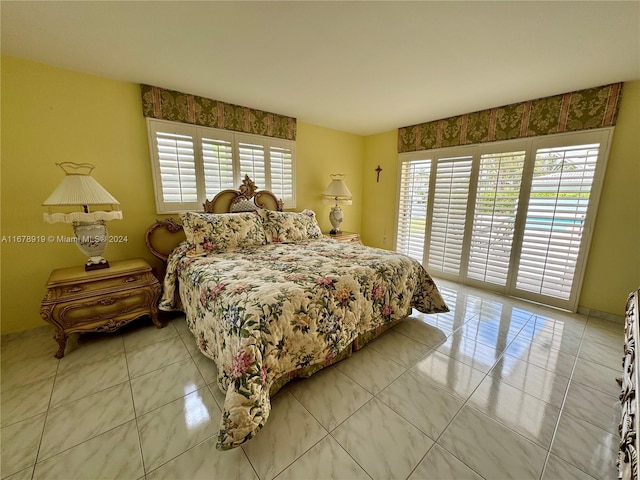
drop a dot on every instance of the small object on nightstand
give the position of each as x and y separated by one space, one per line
345 237
99 300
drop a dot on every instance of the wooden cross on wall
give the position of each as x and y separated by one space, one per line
378 177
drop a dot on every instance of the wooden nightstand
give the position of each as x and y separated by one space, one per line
346 237
99 300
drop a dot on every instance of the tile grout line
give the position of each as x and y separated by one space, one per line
466 401
564 400
49 408
329 432
374 396
47 412
435 441
135 413
208 387
46 416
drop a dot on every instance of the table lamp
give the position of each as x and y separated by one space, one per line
336 194
79 188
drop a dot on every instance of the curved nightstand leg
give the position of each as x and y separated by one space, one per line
156 321
154 306
61 338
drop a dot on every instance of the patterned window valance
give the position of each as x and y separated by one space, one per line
185 108
581 110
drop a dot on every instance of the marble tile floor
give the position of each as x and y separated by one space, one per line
497 388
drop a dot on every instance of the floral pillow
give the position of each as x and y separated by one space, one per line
223 232
282 227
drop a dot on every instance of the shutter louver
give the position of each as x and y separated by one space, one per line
281 167
177 167
217 159
453 176
494 218
412 211
556 212
252 162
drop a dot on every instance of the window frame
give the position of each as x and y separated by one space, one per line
197 133
531 146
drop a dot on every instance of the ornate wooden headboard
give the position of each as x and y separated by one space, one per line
165 235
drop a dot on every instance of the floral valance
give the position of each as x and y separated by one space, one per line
581 110
185 108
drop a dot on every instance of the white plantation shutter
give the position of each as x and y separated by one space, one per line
177 167
494 216
191 164
281 167
453 176
217 159
412 207
252 161
174 161
558 202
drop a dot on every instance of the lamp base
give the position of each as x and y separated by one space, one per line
335 217
95 266
92 239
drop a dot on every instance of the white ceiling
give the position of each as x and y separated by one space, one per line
360 67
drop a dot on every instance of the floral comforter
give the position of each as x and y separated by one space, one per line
262 313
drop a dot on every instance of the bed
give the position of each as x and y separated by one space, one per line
268 298
629 441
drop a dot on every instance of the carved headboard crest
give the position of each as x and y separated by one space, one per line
246 198
248 188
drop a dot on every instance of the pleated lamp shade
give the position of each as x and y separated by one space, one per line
337 191
79 188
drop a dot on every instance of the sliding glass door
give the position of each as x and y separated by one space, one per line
514 217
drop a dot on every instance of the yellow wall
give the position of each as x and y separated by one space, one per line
613 265
379 198
52 115
319 153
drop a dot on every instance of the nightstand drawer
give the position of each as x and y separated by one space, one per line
97 310
104 285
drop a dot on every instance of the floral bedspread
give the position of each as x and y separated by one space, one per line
263 312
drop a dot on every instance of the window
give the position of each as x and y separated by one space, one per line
192 163
514 217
